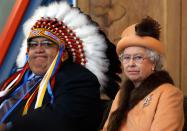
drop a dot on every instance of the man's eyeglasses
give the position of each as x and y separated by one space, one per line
45 44
138 59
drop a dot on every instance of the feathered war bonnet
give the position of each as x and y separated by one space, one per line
146 33
85 42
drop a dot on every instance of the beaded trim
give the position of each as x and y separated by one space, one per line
58 32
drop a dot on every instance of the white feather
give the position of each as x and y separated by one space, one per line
83 32
21 58
74 19
61 13
52 10
93 67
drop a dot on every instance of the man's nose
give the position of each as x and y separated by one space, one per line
39 47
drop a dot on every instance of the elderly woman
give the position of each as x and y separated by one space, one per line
148 100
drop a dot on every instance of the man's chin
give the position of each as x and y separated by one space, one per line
39 72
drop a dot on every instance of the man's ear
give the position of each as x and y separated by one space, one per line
65 56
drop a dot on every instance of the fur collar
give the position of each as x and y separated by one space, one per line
148 85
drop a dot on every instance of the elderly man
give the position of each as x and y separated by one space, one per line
68 62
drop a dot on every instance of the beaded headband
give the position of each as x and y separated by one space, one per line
59 33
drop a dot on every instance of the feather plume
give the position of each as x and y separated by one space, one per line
148 27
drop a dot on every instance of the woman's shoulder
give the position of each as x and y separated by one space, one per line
167 90
167 87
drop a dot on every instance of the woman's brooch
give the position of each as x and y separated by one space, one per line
147 100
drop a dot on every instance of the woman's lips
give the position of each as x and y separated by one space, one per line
133 72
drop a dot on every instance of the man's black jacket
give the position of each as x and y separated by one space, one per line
76 104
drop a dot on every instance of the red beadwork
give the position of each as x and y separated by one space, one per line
72 42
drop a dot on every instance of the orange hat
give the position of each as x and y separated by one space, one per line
130 38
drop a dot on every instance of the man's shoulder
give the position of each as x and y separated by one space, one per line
69 67
72 65
72 69
74 75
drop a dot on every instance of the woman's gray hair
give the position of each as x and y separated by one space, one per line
156 58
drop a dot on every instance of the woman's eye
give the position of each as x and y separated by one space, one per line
138 57
126 57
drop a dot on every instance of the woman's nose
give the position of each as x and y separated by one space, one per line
131 62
